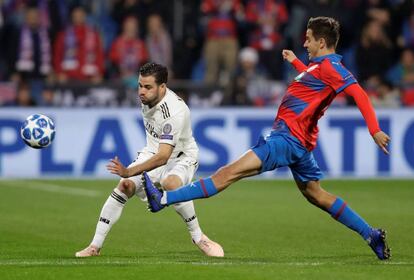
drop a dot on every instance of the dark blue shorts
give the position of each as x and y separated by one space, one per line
281 148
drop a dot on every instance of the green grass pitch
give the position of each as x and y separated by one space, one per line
268 231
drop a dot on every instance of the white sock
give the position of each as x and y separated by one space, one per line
164 198
187 212
111 211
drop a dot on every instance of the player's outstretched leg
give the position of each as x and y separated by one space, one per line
378 243
249 164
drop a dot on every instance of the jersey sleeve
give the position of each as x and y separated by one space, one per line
335 75
364 106
171 129
298 65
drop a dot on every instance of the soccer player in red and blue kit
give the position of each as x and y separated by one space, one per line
294 136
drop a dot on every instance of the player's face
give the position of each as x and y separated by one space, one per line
148 90
311 44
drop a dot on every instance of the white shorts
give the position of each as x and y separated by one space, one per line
183 166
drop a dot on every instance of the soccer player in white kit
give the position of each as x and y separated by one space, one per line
169 158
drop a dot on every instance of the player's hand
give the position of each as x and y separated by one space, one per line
117 168
288 55
382 140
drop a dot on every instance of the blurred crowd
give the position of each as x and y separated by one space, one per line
232 44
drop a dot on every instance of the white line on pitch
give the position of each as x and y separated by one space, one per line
50 188
139 262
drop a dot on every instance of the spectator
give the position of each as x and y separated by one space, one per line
29 53
268 18
3 68
374 53
47 97
247 71
403 71
403 75
158 41
295 27
11 18
100 16
385 95
377 10
126 8
128 52
24 97
407 36
53 15
30 49
407 63
188 42
221 46
13 12
371 85
351 16
79 51
8 94
407 95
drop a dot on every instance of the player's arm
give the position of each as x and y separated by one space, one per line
290 56
159 159
367 111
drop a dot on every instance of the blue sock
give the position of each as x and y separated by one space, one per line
202 188
341 212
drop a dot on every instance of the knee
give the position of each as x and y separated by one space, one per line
127 187
171 183
313 194
310 196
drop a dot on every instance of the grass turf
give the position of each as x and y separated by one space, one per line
267 229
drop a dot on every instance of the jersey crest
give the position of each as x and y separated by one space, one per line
167 128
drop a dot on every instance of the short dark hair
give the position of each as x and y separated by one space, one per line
159 71
325 27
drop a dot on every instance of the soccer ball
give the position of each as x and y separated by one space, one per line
38 131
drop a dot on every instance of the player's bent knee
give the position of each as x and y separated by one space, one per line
311 191
172 182
316 197
127 187
310 198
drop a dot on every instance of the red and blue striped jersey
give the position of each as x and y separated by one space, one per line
310 94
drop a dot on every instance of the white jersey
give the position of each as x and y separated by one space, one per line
169 122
